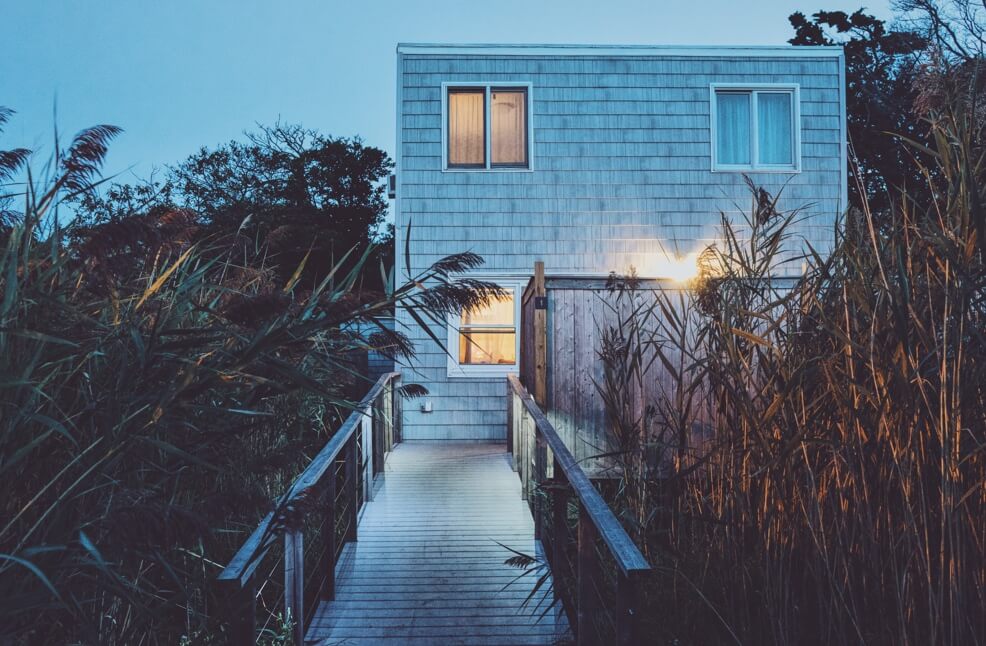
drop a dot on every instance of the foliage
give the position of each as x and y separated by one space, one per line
159 388
817 472
295 191
881 65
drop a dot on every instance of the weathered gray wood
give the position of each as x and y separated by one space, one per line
352 489
294 582
627 616
540 337
625 553
586 599
329 539
429 564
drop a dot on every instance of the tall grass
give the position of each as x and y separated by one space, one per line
155 396
816 468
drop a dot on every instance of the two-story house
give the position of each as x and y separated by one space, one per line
592 159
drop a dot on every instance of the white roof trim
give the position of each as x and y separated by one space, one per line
769 51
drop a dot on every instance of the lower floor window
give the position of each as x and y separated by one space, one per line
484 340
488 334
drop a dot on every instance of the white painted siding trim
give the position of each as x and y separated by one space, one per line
843 137
455 369
795 91
488 134
790 51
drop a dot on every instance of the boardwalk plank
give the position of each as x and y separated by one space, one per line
428 569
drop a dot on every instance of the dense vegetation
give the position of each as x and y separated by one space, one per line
812 469
162 378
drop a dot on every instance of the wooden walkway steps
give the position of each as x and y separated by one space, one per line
427 568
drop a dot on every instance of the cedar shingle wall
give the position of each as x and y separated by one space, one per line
621 153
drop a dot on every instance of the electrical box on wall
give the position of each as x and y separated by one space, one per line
426 406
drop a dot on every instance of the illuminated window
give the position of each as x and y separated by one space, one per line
487 127
488 335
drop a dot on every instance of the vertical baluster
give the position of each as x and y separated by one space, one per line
294 581
329 535
352 488
585 593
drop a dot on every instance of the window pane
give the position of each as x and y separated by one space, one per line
509 123
775 128
466 123
478 346
499 312
733 141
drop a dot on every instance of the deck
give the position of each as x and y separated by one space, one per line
427 568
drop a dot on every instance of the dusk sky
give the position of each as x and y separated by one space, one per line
180 75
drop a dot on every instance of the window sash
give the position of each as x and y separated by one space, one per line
500 144
754 135
453 125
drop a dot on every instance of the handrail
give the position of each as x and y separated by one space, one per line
602 522
624 551
361 424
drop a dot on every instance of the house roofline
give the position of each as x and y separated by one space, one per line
495 49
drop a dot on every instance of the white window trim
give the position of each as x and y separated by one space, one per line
455 369
794 89
488 86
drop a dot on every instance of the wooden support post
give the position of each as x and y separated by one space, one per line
398 419
627 617
510 424
540 451
559 527
329 537
352 488
585 588
294 582
366 468
540 337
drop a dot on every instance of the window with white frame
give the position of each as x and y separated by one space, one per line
487 127
755 128
486 340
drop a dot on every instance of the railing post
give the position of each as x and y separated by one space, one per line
329 537
398 419
510 421
559 524
540 451
522 468
366 468
352 489
627 617
586 594
294 581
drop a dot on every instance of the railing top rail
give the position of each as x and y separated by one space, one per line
248 557
629 559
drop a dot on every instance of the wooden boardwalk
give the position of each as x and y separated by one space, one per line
427 568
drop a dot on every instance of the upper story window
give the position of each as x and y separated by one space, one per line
755 128
487 127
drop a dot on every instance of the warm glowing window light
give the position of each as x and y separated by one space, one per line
487 335
679 268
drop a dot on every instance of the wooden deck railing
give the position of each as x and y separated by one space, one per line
597 572
326 498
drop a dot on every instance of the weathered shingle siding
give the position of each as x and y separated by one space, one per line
621 158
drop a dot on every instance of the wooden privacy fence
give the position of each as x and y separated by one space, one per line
595 566
323 504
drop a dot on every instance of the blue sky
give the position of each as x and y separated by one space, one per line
177 75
